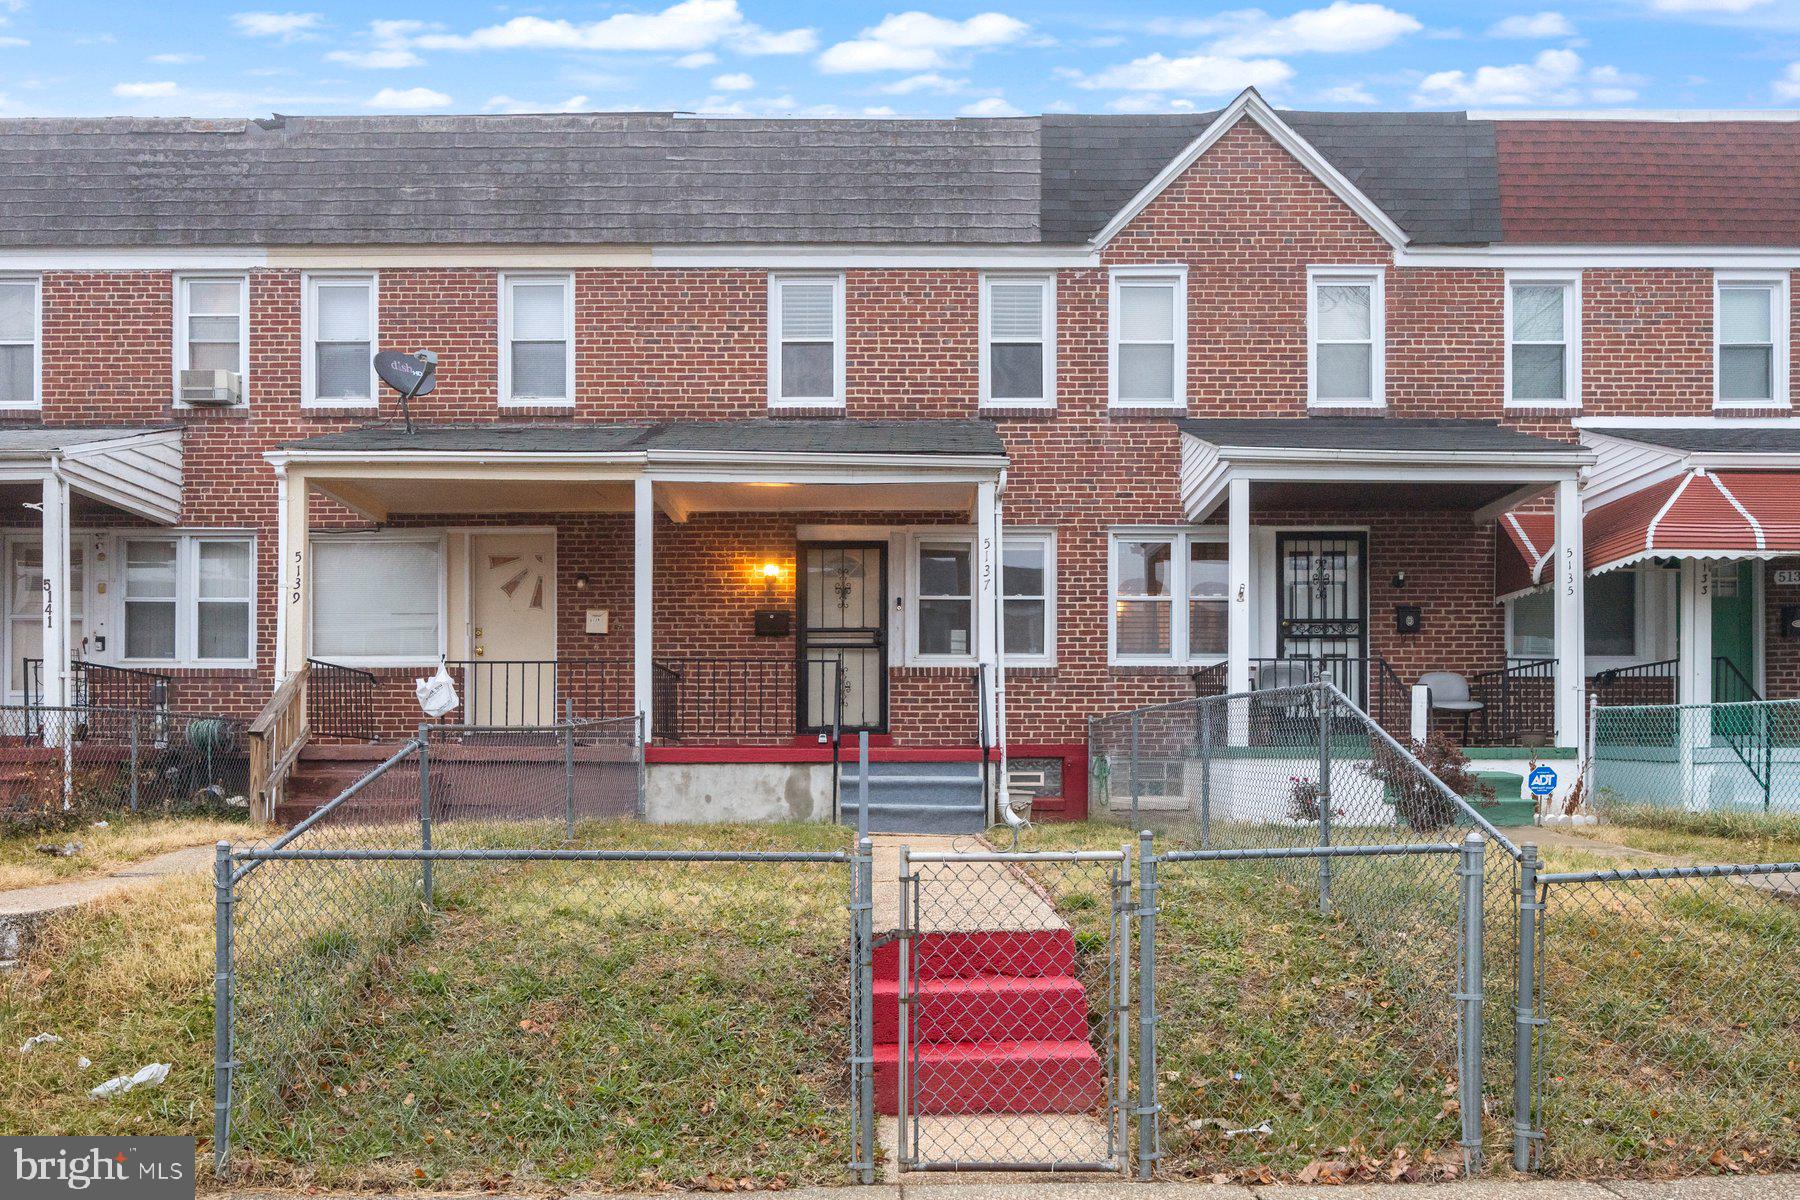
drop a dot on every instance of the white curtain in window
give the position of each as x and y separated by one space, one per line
1146 341
539 340
18 338
1746 343
1539 342
343 339
376 598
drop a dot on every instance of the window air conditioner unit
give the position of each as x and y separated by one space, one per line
211 389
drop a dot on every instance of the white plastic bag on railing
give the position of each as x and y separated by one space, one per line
437 695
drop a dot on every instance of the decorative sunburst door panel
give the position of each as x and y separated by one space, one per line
512 629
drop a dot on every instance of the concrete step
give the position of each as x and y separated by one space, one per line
921 819
1028 954
1046 1008
994 1077
936 770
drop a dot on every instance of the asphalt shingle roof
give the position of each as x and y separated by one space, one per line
754 435
1722 439
46 439
1370 433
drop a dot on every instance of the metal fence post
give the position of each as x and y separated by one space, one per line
1470 997
862 868
1148 1107
1135 718
133 718
642 769
1122 1004
569 770
425 809
222 1048
862 783
1525 1131
1324 699
1205 776
903 1048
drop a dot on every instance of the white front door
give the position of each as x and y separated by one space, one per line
512 629
25 612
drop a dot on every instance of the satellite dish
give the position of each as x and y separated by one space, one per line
409 374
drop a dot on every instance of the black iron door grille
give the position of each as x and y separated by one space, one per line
842 642
1321 605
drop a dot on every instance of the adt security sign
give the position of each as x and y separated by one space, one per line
1542 781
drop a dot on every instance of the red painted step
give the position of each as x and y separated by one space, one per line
987 1008
994 1077
1027 953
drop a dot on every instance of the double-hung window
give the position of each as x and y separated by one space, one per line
1345 359
806 341
537 352
1169 602
378 598
941 593
1543 341
1148 348
211 314
946 598
338 367
1750 341
1018 341
188 598
19 323
1028 581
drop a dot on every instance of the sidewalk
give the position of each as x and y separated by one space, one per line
22 910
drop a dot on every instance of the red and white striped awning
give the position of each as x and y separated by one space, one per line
1522 546
1698 514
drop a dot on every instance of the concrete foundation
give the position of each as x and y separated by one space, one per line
737 792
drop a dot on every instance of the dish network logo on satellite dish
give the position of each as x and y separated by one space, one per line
409 374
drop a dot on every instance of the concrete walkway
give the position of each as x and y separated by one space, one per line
22 910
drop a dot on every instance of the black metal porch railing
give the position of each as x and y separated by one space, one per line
1210 681
340 701
1640 683
102 685
1343 672
1392 708
497 691
1730 685
1518 702
728 699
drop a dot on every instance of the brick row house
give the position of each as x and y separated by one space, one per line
956 432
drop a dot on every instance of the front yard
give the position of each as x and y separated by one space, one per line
121 842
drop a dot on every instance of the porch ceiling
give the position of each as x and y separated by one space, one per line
135 469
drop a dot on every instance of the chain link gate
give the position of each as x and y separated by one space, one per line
1013 994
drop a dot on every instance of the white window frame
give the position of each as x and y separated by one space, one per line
1047 539
1176 275
1654 637
187 598
309 329
1779 334
507 280
905 598
435 537
1375 279
1047 284
915 597
1181 538
1570 282
36 344
180 357
775 340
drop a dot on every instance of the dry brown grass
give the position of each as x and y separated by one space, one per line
125 840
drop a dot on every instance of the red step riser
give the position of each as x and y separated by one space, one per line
1029 953
1029 1081
994 1008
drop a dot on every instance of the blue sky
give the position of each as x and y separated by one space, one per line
767 57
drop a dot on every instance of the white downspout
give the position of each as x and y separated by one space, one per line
1013 820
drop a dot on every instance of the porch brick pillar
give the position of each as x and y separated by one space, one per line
56 590
642 597
294 551
1570 577
1237 633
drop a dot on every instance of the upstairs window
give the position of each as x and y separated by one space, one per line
210 318
537 355
1345 359
806 341
340 340
19 313
1149 339
1750 341
1543 342
1018 358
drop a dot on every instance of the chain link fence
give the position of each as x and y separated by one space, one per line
1664 1017
60 765
1738 758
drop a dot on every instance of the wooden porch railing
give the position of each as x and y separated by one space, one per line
276 738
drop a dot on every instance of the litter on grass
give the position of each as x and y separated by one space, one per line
38 1039
147 1076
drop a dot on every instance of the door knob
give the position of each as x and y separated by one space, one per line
480 652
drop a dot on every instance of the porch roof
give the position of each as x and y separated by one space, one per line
1482 464
1698 514
135 468
1522 549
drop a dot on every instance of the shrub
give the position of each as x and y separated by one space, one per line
1303 799
1417 801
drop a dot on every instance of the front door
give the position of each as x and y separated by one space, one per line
511 679
1320 616
842 647
1733 642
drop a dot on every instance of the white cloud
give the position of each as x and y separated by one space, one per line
14 41
389 47
1341 27
1706 6
918 41
1788 86
1349 93
174 60
736 82
506 104
1554 78
990 106
1193 75
145 91
690 25
930 82
414 99
700 58
1533 25
287 27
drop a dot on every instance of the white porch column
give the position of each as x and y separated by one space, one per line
56 590
1571 576
1693 678
1237 577
643 591
293 546
987 585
